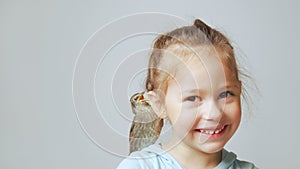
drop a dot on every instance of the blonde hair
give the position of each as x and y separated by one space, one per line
198 34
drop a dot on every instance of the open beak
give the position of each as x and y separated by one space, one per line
142 97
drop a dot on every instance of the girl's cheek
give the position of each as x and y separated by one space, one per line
185 121
234 111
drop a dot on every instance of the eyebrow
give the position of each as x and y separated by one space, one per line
201 90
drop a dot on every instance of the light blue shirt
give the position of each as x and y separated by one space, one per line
154 157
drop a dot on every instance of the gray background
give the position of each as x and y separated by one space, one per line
41 40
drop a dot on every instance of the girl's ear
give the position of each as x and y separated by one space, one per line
157 103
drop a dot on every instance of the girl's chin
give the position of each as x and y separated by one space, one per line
208 146
212 149
208 149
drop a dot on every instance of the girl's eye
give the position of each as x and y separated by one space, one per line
225 94
193 98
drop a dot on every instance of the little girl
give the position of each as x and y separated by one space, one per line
193 81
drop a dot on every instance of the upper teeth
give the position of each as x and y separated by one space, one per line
212 131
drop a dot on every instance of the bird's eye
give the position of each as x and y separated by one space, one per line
225 94
136 98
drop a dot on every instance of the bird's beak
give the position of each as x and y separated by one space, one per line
142 97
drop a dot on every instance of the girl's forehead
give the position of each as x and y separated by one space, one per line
204 61
205 71
199 64
179 56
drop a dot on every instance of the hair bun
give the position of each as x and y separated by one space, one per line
202 26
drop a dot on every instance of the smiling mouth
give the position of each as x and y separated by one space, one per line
211 131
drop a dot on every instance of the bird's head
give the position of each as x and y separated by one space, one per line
139 98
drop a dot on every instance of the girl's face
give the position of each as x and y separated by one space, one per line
203 103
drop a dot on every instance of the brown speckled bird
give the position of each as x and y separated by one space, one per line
146 125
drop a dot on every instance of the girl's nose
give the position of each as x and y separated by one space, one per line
212 111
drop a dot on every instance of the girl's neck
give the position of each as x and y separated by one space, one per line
190 158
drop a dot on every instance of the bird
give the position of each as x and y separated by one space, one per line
146 125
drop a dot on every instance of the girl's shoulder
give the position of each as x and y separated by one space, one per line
149 158
230 161
155 157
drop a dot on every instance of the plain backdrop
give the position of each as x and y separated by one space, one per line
40 44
